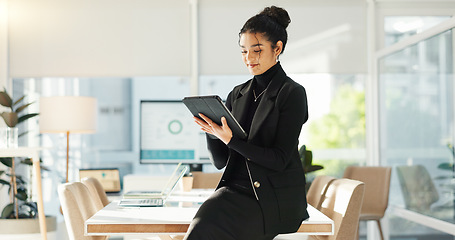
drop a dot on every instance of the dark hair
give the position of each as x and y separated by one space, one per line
272 22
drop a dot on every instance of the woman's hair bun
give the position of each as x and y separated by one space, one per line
278 14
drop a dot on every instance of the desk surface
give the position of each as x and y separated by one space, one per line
115 220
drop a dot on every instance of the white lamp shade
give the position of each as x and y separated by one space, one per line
73 114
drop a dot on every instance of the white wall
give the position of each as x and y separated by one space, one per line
77 38
3 45
104 38
326 37
132 38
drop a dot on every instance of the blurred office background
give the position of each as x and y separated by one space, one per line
378 74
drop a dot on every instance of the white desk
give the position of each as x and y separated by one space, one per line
115 220
32 153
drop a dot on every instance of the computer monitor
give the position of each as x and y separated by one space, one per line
168 134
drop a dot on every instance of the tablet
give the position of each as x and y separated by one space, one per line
213 107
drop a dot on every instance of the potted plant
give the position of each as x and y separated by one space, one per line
21 209
13 117
19 216
306 156
449 165
19 206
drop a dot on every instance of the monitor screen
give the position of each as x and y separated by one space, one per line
168 134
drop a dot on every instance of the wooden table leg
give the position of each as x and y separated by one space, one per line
41 215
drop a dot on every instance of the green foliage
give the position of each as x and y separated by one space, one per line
27 210
344 125
12 117
449 165
8 211
3 182
306 156
17 187
7 162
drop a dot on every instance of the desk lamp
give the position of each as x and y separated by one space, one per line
68 114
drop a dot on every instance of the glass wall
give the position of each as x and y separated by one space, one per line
115 143
335 131
397 28
416 123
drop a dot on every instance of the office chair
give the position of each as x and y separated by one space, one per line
317 190
342 203
206 180
418 189
377 185
78 205
96 189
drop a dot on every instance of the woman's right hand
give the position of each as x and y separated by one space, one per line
223 132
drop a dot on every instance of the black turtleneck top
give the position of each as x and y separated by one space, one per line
240 179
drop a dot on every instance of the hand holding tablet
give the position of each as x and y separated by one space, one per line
212 107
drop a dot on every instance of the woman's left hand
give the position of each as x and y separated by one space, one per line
223 132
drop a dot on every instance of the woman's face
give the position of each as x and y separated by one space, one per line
257 52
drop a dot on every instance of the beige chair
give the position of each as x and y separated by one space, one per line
342 203
78 205
206 180
317 190
418 188
96 189
377 184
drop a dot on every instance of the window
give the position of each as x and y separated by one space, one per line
416 111
397 28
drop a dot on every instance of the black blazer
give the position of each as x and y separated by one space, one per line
276 171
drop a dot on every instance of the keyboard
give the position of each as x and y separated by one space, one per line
146 202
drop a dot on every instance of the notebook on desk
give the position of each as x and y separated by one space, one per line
154 198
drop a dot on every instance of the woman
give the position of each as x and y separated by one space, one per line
262 191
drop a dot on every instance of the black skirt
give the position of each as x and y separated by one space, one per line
228 215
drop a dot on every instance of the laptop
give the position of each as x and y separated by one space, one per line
108 177
154 198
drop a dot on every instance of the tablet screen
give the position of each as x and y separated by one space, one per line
212 107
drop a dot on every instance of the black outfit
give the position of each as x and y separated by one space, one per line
262 191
